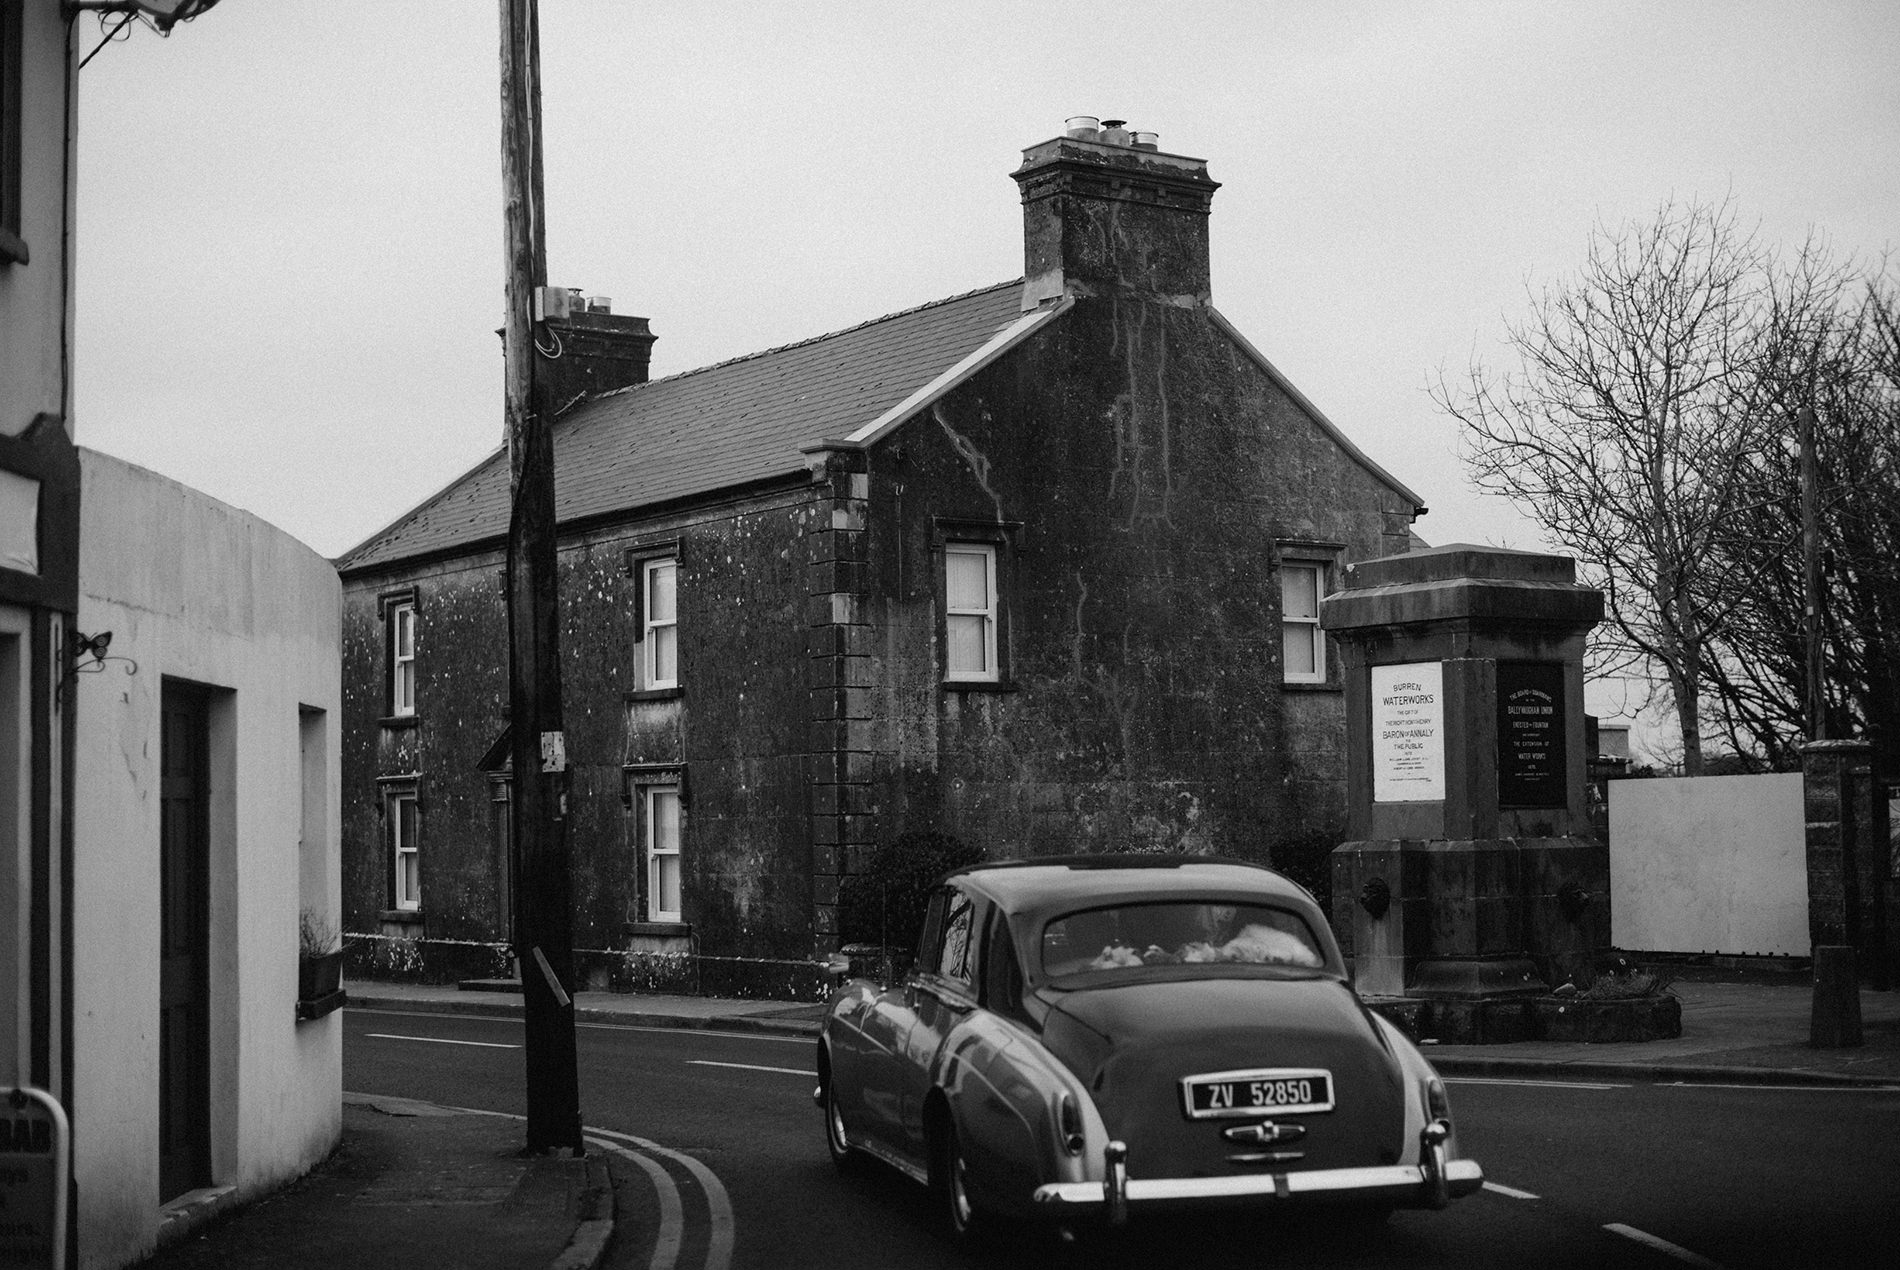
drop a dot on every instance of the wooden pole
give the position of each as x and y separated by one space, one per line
543 922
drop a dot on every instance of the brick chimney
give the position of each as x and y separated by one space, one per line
599 351
1104 211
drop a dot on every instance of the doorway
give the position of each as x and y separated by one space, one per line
184 1062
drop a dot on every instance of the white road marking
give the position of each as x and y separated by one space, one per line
1783 1089
438 1040
1541 1084
718 1203
672 1232
1511 1191
701 1031
1663 1245
753 1067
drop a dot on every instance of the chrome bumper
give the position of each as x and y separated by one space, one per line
1429 1184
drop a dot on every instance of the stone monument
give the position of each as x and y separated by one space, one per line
1472 880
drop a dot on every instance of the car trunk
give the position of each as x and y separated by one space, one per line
1132 1043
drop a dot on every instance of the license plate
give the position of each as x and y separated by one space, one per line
1217 1095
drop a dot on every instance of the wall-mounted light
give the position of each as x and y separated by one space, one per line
89 656
163 14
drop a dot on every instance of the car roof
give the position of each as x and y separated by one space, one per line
1060 882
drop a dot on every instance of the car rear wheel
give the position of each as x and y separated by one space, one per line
963 1221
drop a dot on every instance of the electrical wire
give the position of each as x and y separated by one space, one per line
125 20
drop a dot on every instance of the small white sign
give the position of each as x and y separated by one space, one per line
1408 733
553 752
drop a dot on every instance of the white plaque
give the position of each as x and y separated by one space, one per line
1408 733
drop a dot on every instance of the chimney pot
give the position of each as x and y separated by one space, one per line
1147 141
1115 132
1083 127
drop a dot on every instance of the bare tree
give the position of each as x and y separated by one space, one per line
1626 429
1833 347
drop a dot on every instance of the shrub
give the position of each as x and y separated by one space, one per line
885 903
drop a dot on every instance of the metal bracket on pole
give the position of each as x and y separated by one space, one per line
554 982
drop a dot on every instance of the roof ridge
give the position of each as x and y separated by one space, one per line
813 339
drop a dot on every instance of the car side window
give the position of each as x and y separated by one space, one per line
955 963
1002 975
930 942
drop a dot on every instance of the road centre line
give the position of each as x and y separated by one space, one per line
516 1021
1781 1089
753 1067
1501 1189
438 1040
1541 1084
1663 1245
700 1031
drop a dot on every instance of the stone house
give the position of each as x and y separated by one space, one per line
1036 566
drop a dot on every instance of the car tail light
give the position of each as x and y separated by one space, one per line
1069 1120
1437 1101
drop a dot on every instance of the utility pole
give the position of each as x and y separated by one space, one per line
1811 564
543 933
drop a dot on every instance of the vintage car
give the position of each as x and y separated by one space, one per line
1082 1038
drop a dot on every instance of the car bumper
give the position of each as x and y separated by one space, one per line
1430 1184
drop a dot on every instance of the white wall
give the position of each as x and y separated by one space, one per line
196 590
1709 864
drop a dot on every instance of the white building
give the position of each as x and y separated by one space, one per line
166 818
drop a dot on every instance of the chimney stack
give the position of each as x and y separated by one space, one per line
1105 212
599 351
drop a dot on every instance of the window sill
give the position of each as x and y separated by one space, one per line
401 916
12 248
651 694
979 685
658 930
1312 687
396 721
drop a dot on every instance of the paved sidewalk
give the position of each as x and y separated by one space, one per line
422 1186
418 1186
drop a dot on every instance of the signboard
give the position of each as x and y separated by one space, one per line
1531 734
33 1147
1408 733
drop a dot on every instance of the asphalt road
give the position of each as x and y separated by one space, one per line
726 1167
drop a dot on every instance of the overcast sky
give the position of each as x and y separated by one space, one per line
290 233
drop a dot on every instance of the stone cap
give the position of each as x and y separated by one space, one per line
1461 582
1462 560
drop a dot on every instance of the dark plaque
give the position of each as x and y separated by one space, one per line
1531 734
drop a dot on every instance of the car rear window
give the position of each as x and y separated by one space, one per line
1176 932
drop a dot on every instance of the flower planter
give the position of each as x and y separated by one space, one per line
1651 1018
319 976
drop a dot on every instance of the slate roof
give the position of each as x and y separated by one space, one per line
724 425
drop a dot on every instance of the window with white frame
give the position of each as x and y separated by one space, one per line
402 658
663 853
659 621
1302 644
970 611
405 848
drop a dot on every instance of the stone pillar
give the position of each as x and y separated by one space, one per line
839 681
1473 877
1848 853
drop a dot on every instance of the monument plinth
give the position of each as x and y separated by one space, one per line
1472 877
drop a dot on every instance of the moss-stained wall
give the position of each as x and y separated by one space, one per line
737 725
1152 468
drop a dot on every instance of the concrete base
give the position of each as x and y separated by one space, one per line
1477 978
